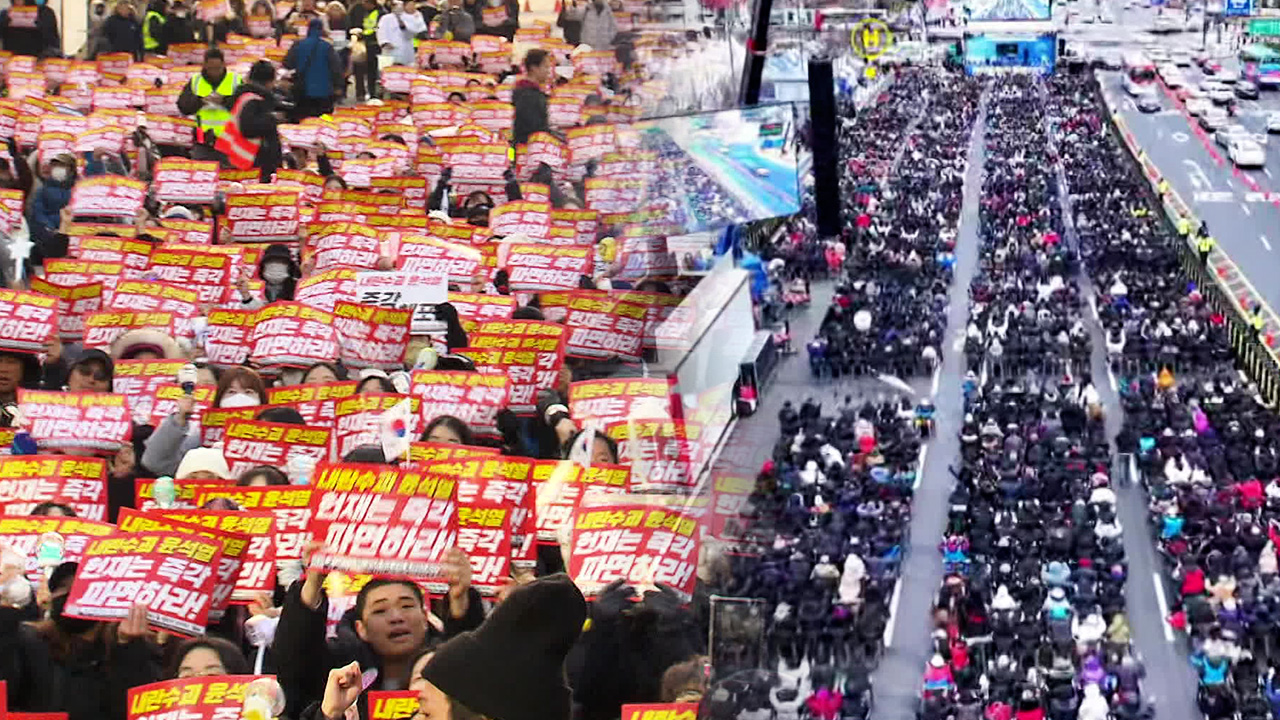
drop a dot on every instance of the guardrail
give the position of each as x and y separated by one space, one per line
1221 283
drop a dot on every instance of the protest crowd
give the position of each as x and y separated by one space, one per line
322 364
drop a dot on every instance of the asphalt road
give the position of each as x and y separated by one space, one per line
1242 207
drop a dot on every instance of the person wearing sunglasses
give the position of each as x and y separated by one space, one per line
91 372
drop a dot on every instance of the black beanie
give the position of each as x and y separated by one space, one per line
512 666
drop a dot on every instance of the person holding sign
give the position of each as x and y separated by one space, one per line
392 626
30 28
208 97
64 664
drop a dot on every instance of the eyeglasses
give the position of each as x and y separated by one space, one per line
97 373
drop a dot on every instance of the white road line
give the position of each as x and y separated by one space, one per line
1246 209
1111 377
924 453
1265 242
1133 468
1267 171
1093 306
1164 606
893 614
937 376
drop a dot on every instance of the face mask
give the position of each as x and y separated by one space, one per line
275 272
180 13
240 400
59 174
70 626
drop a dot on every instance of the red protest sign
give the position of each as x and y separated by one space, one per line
532 219
401 288
164 402
71 273
185 493
382 520
356 420
611 400
108 196
137 380
257 559
290 334
290 506
603 327
474 309
483 532
729 495
74 303
11 206
392 704
663 453
315 402
639 545
28 480
412 189
28 321
212 697
559 486
172 574
660 711
322 290
214 421
548 267
423 452
105 327
188 232
227 341
342 244
371 336
209 273
531 353
147 297
498 481
263 217
26 534
232 546
76 420
246 444
430 255
135 255
186 181
474 398
476 162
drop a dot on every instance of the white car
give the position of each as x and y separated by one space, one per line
1181 58
1167 24
1106 18
1273 122
1236 131
1171 76
1214 118
1221 95
1159 56
1198 106
1247 153
1227 75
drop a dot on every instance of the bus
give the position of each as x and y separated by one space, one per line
1139 74
1260 65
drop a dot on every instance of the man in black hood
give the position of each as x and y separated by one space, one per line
20 36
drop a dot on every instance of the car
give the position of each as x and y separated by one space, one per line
1198 106
1273 122
1148 103
1159 56
1231 76
1210 66
1166 24
1106 18
1247 153
1214 118
1225 136
1221 95
1246 90
1208 85
1087 19
1111 60
1171 76
1181 58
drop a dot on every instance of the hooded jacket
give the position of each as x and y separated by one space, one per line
123 34
46 207
317 61
530 104
598 26
41 41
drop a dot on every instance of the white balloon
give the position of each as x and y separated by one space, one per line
862 320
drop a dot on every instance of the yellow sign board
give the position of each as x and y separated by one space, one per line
871 38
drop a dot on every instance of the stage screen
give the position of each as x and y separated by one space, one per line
1003 10
987 54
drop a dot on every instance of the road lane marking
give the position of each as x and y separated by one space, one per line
1246 209
1220 196
1267 171
924 453
1111 377
937 376
1265 243
1164 606
893 613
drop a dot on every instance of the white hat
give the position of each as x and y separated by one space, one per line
206 459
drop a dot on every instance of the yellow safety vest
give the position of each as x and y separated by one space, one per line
149 41
371 23
1163 187
1257 321
210 118
1204 244
1184 226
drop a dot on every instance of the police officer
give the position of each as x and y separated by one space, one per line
153 29
1256 321
1163 188
208 98
1204 246
366 16
1184 225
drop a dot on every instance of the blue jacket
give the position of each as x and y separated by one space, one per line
47 207
314 55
